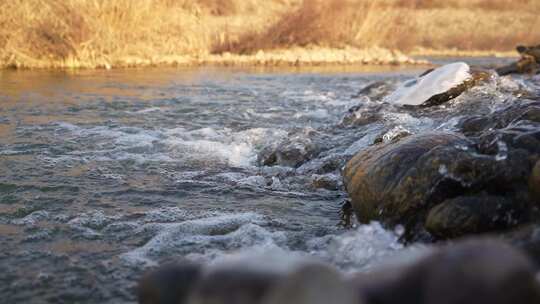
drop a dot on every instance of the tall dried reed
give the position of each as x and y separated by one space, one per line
101 33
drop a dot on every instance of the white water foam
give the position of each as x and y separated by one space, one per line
31 219
229 232
236 236
207 145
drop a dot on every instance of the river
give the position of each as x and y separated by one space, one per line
107 173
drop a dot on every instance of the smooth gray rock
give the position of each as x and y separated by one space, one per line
480 271
313 284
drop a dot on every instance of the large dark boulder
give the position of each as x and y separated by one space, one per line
473 271
385 181
397 183
362 115
441 185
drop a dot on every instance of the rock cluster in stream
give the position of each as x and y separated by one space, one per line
444 185
483 177
481 271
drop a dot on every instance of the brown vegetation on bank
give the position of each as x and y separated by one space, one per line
104 33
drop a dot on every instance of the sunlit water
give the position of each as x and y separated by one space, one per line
105 173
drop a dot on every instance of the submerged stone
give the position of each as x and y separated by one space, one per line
291 152
394 182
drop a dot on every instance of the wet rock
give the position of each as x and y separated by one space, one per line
521 135
293 151
386 182
362 115
473 271
313 284
474 214
528 63
400 182
233 286
327 181
169 284
323 165
524 110
249 278
525 65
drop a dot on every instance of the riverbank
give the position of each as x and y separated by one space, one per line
126 33
312 56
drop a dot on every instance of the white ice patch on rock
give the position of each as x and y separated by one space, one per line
418 90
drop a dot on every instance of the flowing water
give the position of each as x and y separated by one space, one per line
106 173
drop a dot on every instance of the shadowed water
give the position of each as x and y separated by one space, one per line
106 173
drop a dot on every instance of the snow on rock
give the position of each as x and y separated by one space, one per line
418 90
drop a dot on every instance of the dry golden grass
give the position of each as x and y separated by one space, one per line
117 33
103 33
